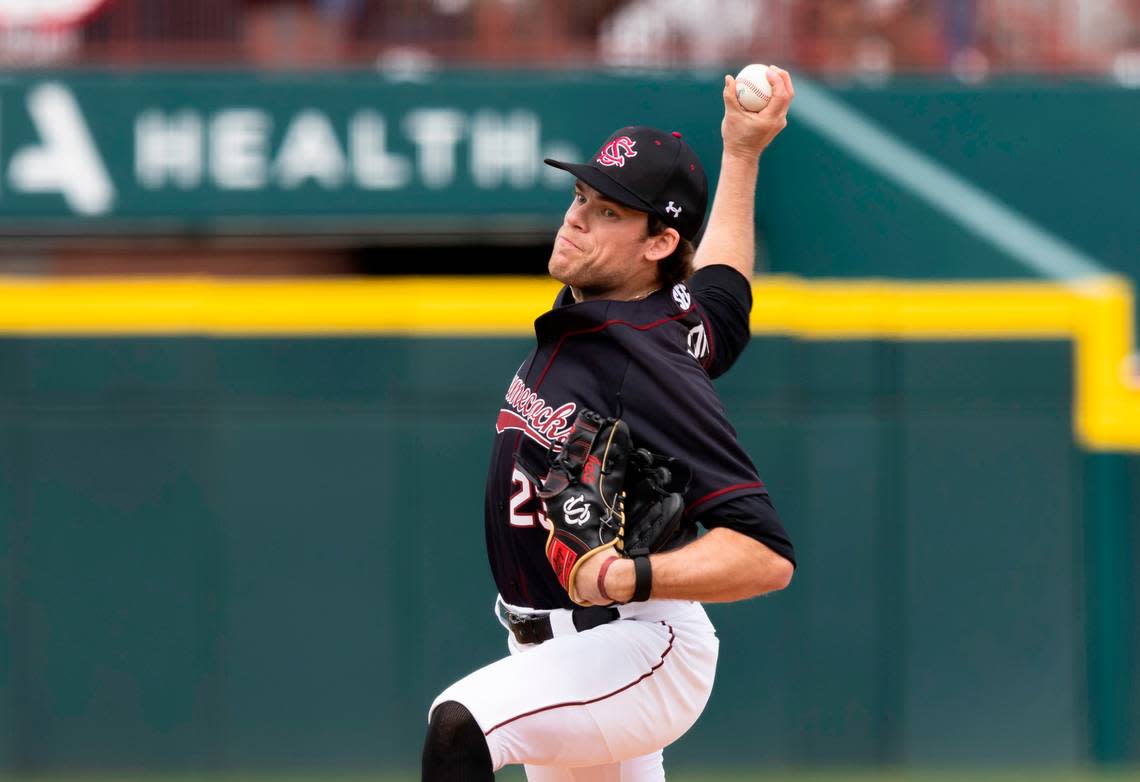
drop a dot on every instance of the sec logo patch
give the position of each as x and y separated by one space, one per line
681 296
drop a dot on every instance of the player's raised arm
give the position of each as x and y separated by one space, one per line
730 237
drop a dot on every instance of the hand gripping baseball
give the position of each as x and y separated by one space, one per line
748 133
583 495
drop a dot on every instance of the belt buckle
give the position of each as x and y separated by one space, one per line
533 629
521 625
514 618
518 619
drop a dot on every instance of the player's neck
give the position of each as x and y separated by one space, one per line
635 292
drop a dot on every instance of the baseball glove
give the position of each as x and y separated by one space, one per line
583 495
655 487
600 494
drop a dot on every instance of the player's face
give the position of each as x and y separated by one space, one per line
602 248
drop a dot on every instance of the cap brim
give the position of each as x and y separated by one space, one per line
598 180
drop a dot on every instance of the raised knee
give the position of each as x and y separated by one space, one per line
451 723
454 743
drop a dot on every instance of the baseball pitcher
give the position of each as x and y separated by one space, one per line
612 451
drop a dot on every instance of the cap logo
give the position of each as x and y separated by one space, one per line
673 210
615 152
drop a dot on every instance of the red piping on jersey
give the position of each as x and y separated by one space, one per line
725 490
638 680
592 329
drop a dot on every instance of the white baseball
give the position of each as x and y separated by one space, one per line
752 87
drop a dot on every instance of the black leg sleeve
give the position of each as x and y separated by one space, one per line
455 749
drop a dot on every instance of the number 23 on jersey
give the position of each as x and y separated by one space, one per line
526 507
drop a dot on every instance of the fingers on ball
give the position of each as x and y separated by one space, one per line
729 92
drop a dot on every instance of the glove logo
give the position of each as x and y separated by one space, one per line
590 471
576 511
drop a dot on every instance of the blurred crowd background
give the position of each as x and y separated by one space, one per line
970 38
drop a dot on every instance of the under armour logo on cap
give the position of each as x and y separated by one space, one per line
673 210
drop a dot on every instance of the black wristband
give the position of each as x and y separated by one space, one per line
642 579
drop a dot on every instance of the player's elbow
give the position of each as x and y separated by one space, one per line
775 575
755 568
782 575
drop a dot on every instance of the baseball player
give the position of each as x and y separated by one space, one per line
612 656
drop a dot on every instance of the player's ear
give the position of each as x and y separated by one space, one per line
660 246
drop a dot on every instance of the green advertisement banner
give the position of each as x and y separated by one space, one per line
355 151
460 153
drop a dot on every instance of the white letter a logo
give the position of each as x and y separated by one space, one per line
67 161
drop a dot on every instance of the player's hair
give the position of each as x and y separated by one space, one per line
679 265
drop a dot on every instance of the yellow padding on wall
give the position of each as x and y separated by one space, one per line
418 306
1096 314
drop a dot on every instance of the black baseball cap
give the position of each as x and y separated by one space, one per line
650 170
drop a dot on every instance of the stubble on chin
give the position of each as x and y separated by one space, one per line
558 267
552 268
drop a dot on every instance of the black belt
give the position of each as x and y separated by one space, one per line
536 629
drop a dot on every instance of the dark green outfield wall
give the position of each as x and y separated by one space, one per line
268 554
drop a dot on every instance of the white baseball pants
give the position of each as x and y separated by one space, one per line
596 706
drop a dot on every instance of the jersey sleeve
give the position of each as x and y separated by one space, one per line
755 516
672 409
724 299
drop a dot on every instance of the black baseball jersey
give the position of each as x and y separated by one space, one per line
649 362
